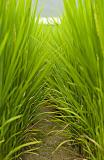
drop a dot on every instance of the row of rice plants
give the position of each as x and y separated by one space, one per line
23 68
77 79
75 54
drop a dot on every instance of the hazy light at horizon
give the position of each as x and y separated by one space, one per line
50 7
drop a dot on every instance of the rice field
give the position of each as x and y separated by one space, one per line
59 66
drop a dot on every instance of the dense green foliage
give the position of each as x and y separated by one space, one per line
77 79
22 72
62 64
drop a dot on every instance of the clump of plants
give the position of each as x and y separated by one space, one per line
23 68
65 68
77 78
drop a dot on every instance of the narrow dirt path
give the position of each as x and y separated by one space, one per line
50 142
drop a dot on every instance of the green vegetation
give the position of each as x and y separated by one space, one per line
77 79
23 68
62 64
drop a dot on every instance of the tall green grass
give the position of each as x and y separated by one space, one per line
75 53
77 78
23 68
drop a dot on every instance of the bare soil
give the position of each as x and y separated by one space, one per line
51 140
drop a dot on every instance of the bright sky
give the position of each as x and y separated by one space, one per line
51 7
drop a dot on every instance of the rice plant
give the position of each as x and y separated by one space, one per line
23 68
77 78
75 53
